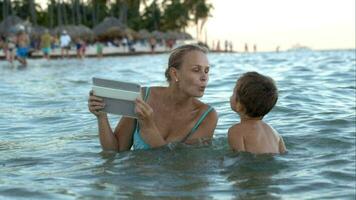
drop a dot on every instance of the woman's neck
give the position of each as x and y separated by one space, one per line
177 98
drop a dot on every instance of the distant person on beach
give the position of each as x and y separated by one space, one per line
55 42
170 43
80 47
64 41
130 43
253 97
255 48
99 49
218 46
84 48
124 43
10 48
2 43
23 42
153 43
231 47
46 40
166 115
226 45
246 48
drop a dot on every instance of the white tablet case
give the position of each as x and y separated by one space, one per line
119 97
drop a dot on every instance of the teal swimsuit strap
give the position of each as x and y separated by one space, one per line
201 119
147 93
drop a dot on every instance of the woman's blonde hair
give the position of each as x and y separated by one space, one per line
176 58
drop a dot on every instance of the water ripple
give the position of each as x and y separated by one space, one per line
49 142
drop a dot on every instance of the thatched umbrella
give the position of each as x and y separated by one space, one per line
112 32
37 31
144 34
12 24
79 31
85 32
110 28
130 32
158 35
184 36
172 35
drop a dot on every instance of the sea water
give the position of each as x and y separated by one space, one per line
49 146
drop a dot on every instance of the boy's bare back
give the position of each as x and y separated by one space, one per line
253 97
255 136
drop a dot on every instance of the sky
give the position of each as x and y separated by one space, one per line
318 24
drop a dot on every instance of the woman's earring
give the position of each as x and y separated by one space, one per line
176 80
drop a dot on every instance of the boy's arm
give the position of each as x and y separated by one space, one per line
282 146
236 140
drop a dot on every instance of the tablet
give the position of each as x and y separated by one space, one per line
119 97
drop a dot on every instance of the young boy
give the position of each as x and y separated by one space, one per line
253 97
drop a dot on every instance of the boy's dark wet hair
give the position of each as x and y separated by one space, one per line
257 93
176 58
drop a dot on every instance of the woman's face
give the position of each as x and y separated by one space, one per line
193 75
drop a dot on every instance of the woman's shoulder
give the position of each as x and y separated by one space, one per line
202 106
153 89
206 112
151 92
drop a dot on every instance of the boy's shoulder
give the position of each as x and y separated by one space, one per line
236 130
272 130
235 126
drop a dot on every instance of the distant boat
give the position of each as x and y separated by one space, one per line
299 47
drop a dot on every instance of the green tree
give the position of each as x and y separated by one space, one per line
32 10
175 16
160 15
200 11
151 17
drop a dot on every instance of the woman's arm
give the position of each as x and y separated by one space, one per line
149 130
121 140
106 136
124 133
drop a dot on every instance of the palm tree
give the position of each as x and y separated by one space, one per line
123 12
156 15
64 10
32 11
5 9
176 15
77 6
93 14
200 11
73 12
99 10
133 14
59 12
84 12
50 10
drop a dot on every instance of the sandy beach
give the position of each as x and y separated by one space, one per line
107 51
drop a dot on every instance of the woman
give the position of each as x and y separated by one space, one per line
165 114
